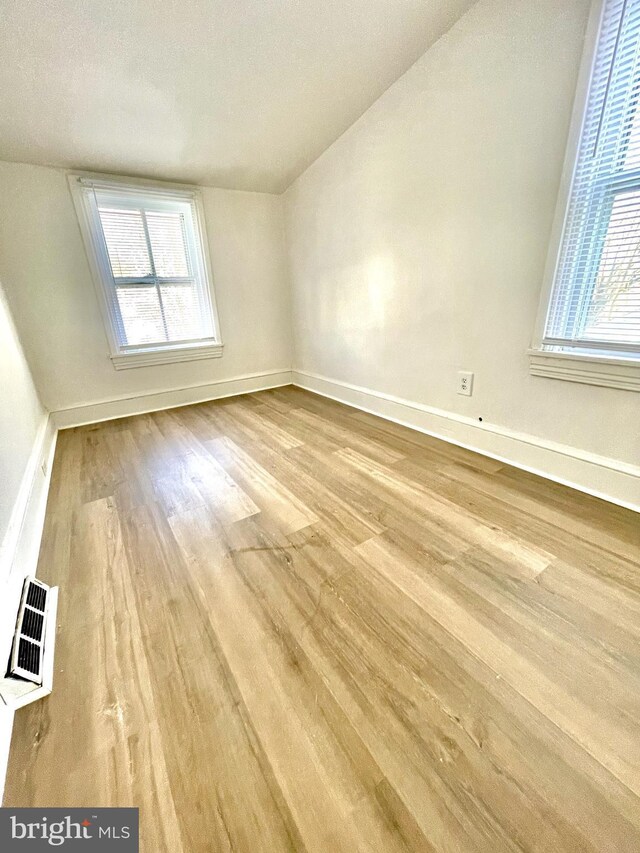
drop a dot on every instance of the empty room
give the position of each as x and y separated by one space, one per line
320 426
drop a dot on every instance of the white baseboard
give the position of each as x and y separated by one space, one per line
600 476
19 556
121 407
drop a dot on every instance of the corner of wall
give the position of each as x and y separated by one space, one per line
285 197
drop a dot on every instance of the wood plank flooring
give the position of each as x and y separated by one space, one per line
288 625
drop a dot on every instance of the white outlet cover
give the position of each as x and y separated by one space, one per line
465 383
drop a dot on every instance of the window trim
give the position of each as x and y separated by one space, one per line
587 368
144 355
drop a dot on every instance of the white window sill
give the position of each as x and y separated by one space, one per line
165 355
589 369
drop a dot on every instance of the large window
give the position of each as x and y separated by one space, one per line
591 309
147 249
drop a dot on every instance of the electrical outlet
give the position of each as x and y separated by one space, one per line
465 383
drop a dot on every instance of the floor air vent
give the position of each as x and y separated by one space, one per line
36 595
26 656
29 674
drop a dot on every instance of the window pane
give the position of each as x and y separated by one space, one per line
614 310
141 314
183 313
126 242
168 243
595 302
156 289
631 135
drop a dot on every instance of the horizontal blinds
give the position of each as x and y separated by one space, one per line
157 293
595 302
126 241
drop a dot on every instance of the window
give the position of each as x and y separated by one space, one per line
591 309
147 250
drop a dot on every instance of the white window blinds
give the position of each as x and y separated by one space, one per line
595 301
152 262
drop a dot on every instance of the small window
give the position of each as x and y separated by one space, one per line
591 306
148 253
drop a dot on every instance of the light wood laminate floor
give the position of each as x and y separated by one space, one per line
288 625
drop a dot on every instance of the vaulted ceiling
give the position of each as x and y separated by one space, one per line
233 93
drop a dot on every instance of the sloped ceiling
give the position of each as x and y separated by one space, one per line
233 93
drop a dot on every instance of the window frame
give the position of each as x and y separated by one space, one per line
143 355
587 367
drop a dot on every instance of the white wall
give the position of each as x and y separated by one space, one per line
417 241
24 439
49 288
21 418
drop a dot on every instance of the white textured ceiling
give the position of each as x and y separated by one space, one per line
232 93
